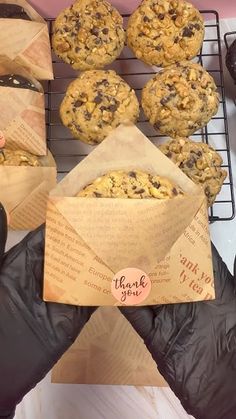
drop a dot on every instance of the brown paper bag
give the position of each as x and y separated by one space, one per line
108 351
23 115
90 240
26 43
24 192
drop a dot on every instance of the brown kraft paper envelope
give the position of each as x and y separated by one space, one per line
24 192
23 115
89 240
108 351
26 43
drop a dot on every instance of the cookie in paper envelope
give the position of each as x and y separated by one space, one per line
88 241
25 182
24 39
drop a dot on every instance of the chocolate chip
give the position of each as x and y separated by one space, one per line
161 16
174 17
98 41
169 154
103 108
175 192
97 194
172 11
197 26
156 185
87 115
170 86
103 82
140 191
78 103
199 153
105 31
166 99
77 49
193 86
78 128
158 48
78 25
94 31
176 40
187 33
113 107
98 15
157 125
98 99
146 19
190 163
133 174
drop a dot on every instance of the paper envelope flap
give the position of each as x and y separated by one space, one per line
120 151
124 224
21 35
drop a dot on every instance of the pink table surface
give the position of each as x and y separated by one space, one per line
226 8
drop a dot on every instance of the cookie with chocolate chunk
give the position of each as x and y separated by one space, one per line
165 32
134 184
180 99
17 158
89 34
17 81
96 103
13 11
200 162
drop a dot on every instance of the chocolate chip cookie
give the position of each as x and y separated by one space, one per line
134 184
96 103
16 81
200 162
13 11
89 34
180 99
165 32
17 158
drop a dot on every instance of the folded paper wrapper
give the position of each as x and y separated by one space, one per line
23 114
89 240
108 351
24 192
26 43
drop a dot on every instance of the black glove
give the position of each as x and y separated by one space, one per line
194 346
33 334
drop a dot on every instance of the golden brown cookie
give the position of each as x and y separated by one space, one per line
180 99
89 34
17 158
134 184
165 32
96 103
200 162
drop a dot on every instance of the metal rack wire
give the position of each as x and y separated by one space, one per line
69 152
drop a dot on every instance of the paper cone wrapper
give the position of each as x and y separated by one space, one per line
108 351
26 43
23 115
89 240
24 192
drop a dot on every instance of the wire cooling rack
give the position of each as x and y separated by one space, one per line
69 152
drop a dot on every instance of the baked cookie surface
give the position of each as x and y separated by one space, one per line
200 162
89 34
96 103
134 184
180 99
17 158
164 32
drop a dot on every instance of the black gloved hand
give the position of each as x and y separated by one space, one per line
33 334
194 346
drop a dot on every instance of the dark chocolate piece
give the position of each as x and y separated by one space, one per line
13 11
14 80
